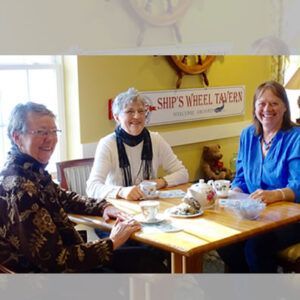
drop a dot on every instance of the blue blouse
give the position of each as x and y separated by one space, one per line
280 167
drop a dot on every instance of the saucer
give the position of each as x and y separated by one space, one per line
155 196
140 218
171 214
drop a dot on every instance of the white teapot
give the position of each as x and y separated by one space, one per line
203 193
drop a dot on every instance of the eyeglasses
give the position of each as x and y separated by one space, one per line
44 132
132 112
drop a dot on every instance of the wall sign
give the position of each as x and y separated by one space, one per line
173 106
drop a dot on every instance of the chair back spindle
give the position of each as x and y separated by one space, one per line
73 174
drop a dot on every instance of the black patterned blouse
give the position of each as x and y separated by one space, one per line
35 232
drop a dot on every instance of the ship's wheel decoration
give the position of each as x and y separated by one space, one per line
191 65
159 13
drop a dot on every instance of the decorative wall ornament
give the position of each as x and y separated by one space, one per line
162 13
191 65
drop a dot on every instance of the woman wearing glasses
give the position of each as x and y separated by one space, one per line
35 232
132 154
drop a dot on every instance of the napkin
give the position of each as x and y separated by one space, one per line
165 226
171 194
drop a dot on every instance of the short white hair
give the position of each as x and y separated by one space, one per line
125 98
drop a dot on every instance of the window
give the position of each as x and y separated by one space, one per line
292 66
31 78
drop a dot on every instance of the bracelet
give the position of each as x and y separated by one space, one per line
282 193
165 182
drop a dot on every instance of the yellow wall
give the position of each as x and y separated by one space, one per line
103 77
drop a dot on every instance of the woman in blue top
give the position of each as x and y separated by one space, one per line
268 169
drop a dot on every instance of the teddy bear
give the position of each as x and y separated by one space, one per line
212 166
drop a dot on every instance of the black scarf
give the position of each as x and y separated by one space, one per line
146 165
28 166
21 158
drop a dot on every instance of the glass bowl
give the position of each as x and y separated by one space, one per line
247 208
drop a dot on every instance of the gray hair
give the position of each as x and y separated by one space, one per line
18 117
128 97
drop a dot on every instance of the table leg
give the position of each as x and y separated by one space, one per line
192 264
184 264
176 263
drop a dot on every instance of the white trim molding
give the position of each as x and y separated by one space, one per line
203 134
188 136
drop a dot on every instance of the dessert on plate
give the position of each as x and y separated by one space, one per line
189 206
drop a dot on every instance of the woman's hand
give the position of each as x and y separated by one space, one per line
122 230
161 183
111 212
267 196
131 193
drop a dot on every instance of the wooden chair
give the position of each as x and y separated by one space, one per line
73 174
289 259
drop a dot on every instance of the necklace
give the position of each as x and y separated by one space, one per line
268 144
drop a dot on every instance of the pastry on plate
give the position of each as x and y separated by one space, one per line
192 202
183 209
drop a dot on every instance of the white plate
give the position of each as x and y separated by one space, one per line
199 213
140 218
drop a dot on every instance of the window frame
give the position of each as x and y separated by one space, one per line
292 65
57 66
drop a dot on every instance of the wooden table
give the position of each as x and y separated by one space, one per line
216 228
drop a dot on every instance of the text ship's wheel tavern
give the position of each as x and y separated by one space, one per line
191 65
159 13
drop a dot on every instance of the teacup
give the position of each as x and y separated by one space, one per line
148 188
150 209
221 187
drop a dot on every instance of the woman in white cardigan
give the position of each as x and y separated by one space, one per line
132 154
